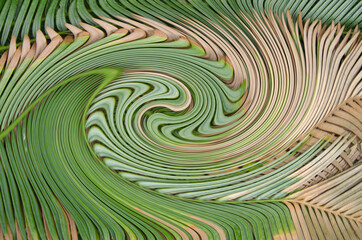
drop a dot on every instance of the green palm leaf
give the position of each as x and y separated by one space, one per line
180 119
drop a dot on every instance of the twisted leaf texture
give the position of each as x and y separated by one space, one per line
199 119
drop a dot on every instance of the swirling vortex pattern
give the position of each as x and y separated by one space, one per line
161 128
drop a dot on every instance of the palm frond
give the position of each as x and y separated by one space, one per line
329 209
180 120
